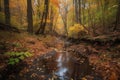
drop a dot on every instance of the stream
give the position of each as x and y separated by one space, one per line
54 65
64 61
70 67
61 65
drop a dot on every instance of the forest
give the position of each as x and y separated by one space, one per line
59 39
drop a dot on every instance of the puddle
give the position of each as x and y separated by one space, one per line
60 66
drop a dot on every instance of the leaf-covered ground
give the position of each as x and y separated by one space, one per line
104 59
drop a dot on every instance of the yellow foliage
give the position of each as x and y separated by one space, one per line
73 31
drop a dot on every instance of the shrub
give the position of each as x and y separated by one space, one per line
76 31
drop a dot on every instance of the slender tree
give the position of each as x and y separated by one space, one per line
41 29
51 17
29 16
64 13
77 9
102 14
0 5
7 12
20 12
117 17
38 9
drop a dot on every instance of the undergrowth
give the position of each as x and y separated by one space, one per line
16 57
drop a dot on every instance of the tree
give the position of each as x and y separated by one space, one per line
38 9
77 6
20 15
0 5
54 14
64 12
29 16
51 17
7 12
117 17
41 29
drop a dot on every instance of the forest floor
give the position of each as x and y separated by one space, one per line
104 59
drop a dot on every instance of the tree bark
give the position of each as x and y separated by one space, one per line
20 12
0 6
29 16
117 17
51 18
41 30
103 15
79 10
7 12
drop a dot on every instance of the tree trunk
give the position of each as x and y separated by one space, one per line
64 14
52 16
29 16
0 5
76 6
38 9
20 12
103 15
7 12
83 16
79 10
117 17
41 30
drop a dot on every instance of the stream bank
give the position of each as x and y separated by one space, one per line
58 59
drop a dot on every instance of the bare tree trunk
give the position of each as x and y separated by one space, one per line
51 18
103 15
90 21
56 19
76 11
83 18
7 12
65 23
64 12
79 10
38 11
44 18
0 5
29 16
117 23
77 7
98 9
20 13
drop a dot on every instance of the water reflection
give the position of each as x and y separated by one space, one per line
62 68
71 66
62 65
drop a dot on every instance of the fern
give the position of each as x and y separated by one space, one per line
16 57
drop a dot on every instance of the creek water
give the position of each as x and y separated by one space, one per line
72 67
58 65
62 64
55 65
